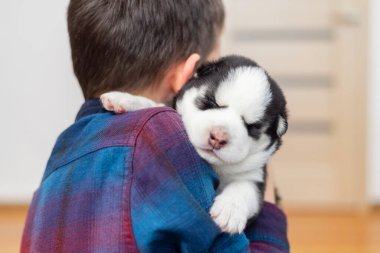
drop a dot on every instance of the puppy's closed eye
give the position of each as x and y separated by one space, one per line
256 125
207 102
254 129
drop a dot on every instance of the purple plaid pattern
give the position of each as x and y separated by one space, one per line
134 183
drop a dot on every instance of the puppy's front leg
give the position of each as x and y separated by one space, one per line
120 102
238 201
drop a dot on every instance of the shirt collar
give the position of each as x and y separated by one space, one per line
89 107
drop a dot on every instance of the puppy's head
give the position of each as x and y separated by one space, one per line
232 109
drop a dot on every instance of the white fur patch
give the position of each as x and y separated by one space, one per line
232 207
247 91
120 102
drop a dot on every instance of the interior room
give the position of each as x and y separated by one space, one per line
325 56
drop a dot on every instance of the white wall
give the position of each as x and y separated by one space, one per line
39 93
374 104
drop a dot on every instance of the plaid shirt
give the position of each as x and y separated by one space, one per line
134 183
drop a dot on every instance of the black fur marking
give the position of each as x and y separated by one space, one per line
208 102
277 196
253 129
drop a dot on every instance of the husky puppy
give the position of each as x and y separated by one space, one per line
235 115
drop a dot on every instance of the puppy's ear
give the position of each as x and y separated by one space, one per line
282 126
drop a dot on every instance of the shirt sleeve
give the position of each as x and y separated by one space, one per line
172 191
268 233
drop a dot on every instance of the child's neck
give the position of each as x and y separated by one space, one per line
158 94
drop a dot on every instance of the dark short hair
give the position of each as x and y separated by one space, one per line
129 44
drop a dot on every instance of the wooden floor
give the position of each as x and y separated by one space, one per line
11 225
308 233
334 232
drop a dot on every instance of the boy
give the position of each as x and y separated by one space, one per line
133 182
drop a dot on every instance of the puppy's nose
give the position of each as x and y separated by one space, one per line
218 138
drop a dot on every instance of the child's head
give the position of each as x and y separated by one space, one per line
132 45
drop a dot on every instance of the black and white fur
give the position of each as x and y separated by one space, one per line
238 100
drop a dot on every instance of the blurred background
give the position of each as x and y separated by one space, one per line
325 55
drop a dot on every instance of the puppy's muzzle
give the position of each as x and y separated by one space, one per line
218 138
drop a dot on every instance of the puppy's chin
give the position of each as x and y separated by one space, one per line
228 155
209 157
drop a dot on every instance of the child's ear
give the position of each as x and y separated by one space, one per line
184 72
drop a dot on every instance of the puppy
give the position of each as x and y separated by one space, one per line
235 115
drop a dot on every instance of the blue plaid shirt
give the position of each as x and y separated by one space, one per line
134 183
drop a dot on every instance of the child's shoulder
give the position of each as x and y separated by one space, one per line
159 117
160 124
126 128
156 119
104 130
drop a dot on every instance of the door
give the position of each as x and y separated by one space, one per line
316 51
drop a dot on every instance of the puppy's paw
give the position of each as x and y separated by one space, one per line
229 213
116 101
